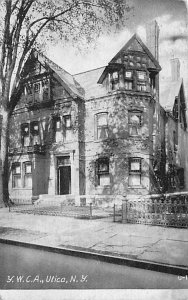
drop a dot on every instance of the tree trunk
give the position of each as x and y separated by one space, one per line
4 176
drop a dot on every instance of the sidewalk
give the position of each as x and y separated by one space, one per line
150 245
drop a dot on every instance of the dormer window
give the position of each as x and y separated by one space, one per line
128 74
128 80
141 81
141 75
114 80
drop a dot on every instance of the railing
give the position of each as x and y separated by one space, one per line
166 210
55 208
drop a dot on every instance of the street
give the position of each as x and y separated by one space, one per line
26 268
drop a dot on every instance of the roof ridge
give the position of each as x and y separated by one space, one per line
55 65
89 70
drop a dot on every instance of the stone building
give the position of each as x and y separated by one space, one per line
106 132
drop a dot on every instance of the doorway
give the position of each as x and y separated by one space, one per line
64 176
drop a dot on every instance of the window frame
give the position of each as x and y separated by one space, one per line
139 114
106 161
128 80
98 127
114 82
27 174
24 134
141 84
37 84
16 175
135 172
57 130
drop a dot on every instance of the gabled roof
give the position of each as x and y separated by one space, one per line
88 80
137 42
63 77
66 79
170 90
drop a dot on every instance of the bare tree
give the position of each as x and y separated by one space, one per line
22 23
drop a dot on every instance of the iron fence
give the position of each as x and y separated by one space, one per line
163 210
55 208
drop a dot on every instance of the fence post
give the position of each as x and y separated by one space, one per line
114 213
90 209
124 210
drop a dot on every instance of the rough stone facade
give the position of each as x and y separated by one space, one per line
101 132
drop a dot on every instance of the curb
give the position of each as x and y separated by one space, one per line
105 257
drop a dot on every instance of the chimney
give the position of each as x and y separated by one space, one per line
175 69
152 38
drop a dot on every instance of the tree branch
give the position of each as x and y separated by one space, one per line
14 6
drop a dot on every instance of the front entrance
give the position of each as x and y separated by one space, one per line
64 175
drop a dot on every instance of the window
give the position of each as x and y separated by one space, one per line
37 87
34 127
180 173
45 87
175 142
29 89
114 80
135 122
141 86
27 166
16 175
103 175
128 80
32 88
141 75
141 81
102 125
58 133
134 171
25 134
176 110
171 176
68 131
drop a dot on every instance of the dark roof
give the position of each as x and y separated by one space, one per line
88 80
66 79
134 38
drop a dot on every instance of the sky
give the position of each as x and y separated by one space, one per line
172 19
